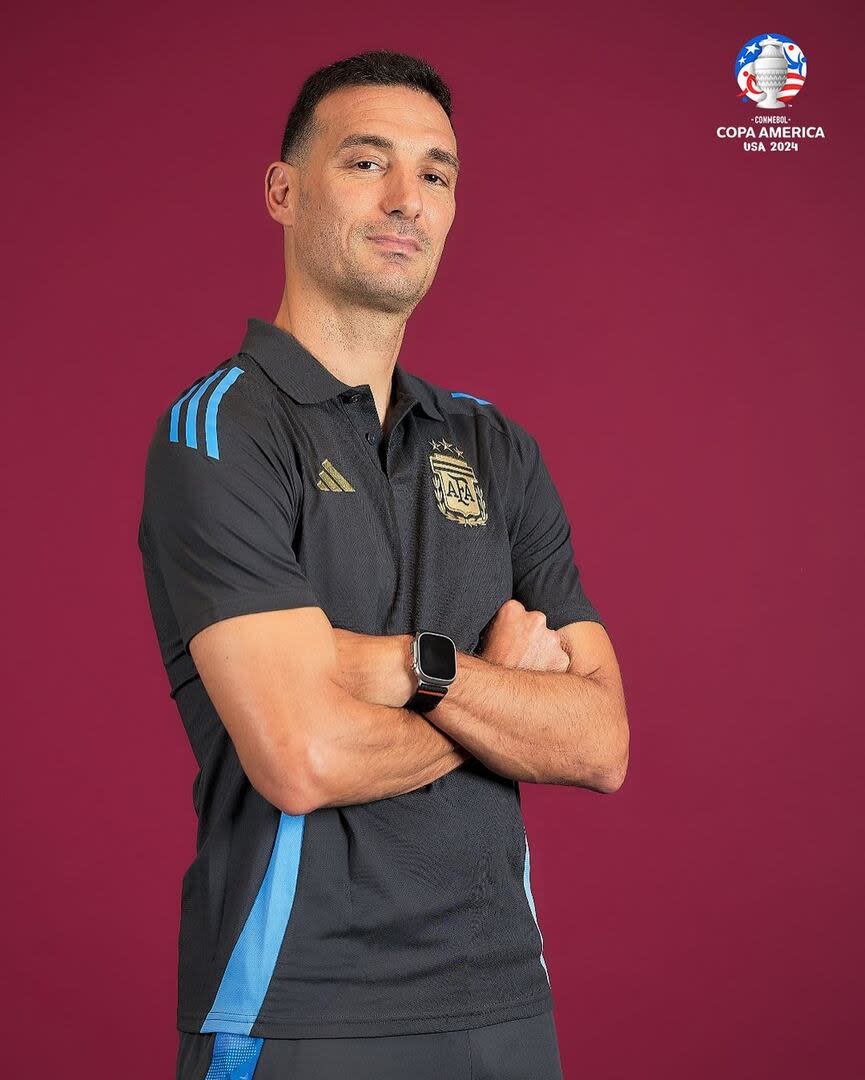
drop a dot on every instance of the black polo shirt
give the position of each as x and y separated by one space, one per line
269 484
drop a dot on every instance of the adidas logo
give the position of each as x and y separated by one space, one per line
331 479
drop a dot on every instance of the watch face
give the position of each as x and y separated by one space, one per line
437 656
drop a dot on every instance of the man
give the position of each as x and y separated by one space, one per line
367 604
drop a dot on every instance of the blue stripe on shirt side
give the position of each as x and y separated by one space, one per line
250 967
528 890
210 438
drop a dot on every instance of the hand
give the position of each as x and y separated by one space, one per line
520 638
376 667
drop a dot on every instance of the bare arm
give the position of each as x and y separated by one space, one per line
303 740
549 727
375 751
536 704
563 724
541 705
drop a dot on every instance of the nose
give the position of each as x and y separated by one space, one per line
402 191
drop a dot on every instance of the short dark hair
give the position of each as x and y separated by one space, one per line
379 67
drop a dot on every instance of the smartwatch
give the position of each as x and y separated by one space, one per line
434 662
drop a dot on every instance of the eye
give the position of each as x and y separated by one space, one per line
368 161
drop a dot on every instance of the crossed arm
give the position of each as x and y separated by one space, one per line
274 676
549 727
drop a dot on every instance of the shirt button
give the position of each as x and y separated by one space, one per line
369 436
351 398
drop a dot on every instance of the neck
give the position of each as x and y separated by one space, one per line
357 345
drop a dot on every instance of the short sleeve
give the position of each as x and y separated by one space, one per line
220 528
546 578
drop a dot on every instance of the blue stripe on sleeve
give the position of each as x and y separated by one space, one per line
210 438
192 409
479 400
175 413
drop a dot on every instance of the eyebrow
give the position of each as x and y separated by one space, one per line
435 153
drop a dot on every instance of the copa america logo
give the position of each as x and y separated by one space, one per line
770 71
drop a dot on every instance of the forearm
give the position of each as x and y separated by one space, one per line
372 751
553 727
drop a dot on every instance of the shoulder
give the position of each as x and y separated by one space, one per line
472 403
231 402
216 454
219 438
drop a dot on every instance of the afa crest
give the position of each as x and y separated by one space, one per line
457 491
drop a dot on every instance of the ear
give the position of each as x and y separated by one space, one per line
280 191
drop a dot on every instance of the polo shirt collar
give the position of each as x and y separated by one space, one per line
305 379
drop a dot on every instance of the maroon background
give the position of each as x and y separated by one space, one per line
679 322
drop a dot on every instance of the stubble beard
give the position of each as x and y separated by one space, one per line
341 274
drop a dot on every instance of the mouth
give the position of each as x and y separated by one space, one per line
397 243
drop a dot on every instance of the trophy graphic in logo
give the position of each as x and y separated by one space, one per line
770 74
457 491
770 71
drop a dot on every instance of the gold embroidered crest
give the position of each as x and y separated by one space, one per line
457 491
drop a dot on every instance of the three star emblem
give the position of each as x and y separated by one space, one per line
445 445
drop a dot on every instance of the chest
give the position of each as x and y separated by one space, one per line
407 530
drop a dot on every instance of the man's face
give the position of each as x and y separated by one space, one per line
347 194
